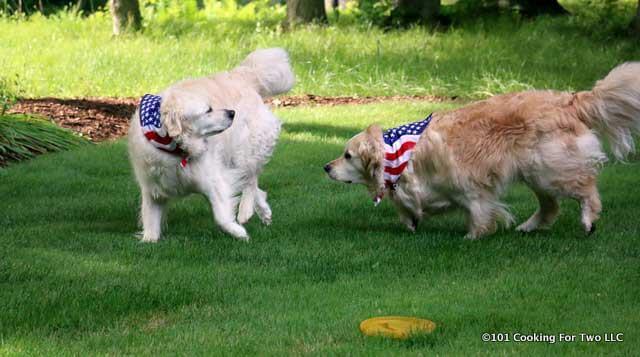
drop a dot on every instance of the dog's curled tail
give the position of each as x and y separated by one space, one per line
612 108
268 70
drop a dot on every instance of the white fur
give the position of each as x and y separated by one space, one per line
268 70
220 166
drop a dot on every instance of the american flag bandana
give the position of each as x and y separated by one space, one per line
398 145
154 131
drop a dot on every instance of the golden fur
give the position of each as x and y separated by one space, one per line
467 157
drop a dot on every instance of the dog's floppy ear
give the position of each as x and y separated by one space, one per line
372 154
171 116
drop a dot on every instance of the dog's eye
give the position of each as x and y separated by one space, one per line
347 155
209 110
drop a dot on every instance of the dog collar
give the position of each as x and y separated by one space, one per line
153 130
399 144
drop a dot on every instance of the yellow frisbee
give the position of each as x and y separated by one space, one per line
399 327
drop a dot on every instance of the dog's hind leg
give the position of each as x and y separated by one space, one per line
591 207
569 170
545 215
247 204
259 205
151 216
254 200
262 207
222 204
583 190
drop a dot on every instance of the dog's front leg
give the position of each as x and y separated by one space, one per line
409 212
480 218
408 219
408 205
222 205
151 216
247 204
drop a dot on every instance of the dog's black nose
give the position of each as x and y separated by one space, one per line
231 113
327 168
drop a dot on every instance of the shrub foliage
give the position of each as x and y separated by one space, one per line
23 137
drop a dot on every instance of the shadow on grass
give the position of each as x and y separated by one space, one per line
322 130
61 292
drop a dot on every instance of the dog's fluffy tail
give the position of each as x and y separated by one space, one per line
612 108
268 70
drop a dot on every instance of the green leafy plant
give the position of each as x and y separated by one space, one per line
23 137
602 17
8 93
374 12
164 18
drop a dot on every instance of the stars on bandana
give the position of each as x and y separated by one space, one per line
150 111
152 129
392 135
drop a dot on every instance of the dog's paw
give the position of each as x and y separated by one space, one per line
590 229
266 220
262 208
265 216
472 236
149 238
244 238
526 227
410 223
411 226
237 231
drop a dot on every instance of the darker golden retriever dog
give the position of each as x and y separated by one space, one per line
467 157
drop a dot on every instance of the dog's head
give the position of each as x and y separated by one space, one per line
185 113
361 162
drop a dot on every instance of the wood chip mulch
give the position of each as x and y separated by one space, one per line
97 119
101 119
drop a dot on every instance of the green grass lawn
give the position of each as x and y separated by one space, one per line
71 57
75 281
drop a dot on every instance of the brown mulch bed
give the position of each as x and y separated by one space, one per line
102 119
97 119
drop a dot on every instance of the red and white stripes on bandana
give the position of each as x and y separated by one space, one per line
153 130
398 146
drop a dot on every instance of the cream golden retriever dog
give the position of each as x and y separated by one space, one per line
210 136
466 157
